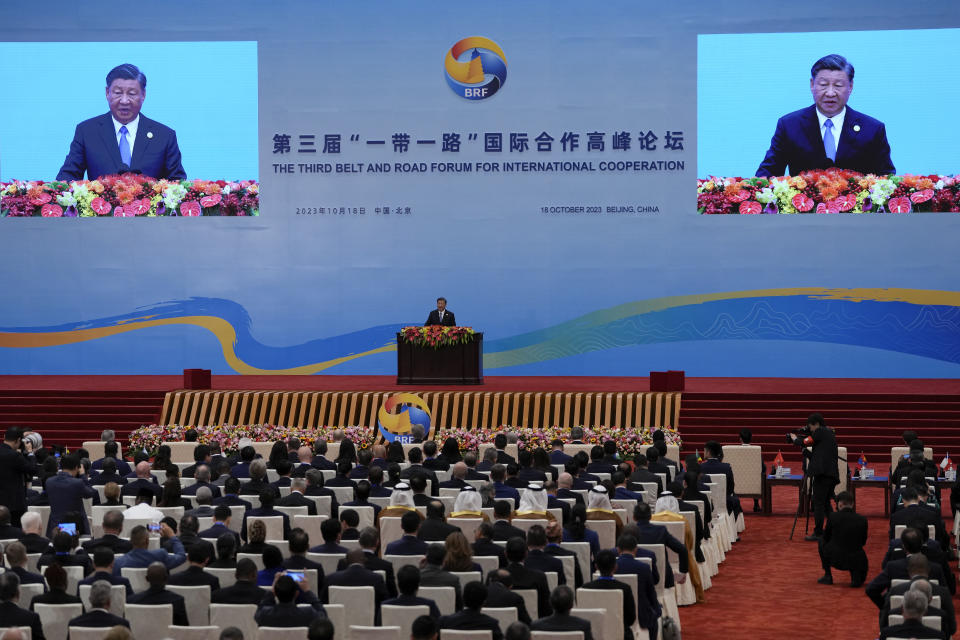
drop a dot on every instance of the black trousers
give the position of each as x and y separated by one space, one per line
821 492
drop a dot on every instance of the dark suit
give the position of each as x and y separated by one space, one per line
241 592
448 320
656 534
559 457
95 151
15 469
504 458
498 596
503 530
558 622
285 615
469 619
26 577
296 499
524 578
109 577
358 576
554 549
80 559
98 618
415 601
13 616
35 543
842 545
946 606
486 548
54 596
406 545
432 575
194 576
895 570
569 494
66 495
134 487
629 606
453 483
925 514
555 503
797 145
648 608
375 563
99 479
256 487
910 629
822 469
232 501
159 595
541 561
192 489
435 530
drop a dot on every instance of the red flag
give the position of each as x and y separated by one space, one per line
778 461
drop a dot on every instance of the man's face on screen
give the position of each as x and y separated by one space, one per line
831 90
125 98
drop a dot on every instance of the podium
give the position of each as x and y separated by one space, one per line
453 364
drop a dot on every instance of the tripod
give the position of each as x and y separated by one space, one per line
803 503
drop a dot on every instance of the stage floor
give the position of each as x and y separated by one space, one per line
492 383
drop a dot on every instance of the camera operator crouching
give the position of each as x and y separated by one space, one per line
821 467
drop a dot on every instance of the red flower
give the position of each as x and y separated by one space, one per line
100 206
51 211
899 205
740 196
189 208
40 198
750 206
802 202
210 201
847 202
122 211
921 196
139 207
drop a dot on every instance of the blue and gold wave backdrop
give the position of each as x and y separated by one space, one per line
535 163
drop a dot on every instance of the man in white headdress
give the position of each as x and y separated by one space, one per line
599 507
401 501
533 504
667 509
468 504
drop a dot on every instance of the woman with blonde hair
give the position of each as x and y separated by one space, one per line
459 556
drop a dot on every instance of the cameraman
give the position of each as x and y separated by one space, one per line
16 467
821 468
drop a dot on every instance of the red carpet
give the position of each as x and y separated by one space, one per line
767 587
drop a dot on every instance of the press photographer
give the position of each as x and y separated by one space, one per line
17 466
821 467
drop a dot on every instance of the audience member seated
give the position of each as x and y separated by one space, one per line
157 594
842 544
99 613
537 558
189 533
561 599
342 479
597 462
947 622
484 545
459 556
418 484
513 477
369 542
914 608
12 615
408 583
32 539
112 527
599 507
526 578
434 528
258 485
265 510
296 498
111 454
915 509
230 497
198 557
330 530
432 573
430 459
362 470
408 544
656 465
349 523
16 555
228 543
103 559
565 486
201 458
489 460
141 557
143 509
361 498
667 509
607 566
500 594
258 538
222 514
470 617
63 554
502 529
244 590
648 607
577 530
647 533
533 504
503 491
918 568
416 468
458 477
111 495
641 473
204 508
282 609
108 473
272 565
57 584
320 460
621 492
930 548
299 545
467 505
357 575
554 535
912 543
144 482
241 470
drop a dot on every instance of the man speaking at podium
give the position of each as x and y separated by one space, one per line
123 140
828 133
441 315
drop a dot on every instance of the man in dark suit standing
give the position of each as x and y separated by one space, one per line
828 133
562 601
441 316
66 493
843 542
821 469
15 469
123 140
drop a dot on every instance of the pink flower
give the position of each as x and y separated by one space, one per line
100 206
210 201
51 211
123 212
189 208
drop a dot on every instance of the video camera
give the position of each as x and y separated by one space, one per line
802 432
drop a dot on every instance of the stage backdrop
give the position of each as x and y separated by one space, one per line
535 163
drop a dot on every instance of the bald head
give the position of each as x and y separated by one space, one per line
459 470
304 454
143 469
565 480
157 574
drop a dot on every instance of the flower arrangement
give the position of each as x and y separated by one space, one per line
829 191
436 336
629 441
129 195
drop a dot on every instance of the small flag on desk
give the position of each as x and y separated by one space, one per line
699 457
778 461
946 463
862 461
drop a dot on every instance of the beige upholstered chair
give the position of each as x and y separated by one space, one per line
149 621
359 600
181 451
234 615
197 601
610 600
556 635
504 615
395 616
192 633
55 617
445 597
281 633
118 597
747 464
896 453
843 469
86 633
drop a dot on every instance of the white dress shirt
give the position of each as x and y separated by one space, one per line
131 131
837 125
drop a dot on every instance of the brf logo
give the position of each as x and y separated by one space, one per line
476 68
412 410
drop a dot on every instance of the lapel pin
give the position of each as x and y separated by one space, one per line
856 127
150 133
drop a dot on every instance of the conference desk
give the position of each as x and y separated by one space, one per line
875 482
780 481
